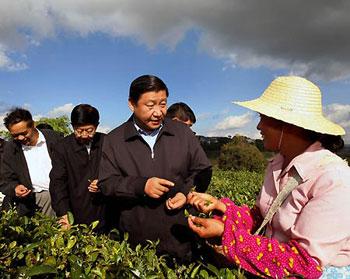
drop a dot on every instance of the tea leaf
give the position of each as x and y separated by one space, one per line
70 218
40 270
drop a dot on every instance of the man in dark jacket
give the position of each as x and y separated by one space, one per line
73 178
181 112
26 163
2 145
149 164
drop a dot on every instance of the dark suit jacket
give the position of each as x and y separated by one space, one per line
14 171
72 168
126 165
2 146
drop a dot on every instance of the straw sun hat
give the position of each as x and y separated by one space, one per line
297 101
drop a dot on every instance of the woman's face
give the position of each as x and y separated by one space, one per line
270 130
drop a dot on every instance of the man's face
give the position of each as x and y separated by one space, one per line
84 133
150 109
24 133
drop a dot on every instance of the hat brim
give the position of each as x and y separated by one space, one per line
317 123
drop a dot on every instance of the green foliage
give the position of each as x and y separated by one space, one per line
5 134
239 154
212 146
59 124
259 144
38 247
240 186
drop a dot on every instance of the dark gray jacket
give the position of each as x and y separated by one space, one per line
72 169
126 165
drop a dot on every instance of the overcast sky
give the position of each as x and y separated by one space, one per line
56 54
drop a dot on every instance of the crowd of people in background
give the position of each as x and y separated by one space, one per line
141 176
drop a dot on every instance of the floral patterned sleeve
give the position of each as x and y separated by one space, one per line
260 255
247 218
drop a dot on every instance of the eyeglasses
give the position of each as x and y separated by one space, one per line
80 131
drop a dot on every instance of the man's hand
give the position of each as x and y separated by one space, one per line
206 228
93 188
63 221
176 202
205 203
156 187
22 191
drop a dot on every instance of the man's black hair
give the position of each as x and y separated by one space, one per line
84 114
146 83
181 111
17 115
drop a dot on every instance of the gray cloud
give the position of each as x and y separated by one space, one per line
311 38
340 114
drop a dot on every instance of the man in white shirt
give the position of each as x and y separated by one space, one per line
27 164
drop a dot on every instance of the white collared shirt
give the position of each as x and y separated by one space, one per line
150 138
39 164
88 147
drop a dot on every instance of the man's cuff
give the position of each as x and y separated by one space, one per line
140 185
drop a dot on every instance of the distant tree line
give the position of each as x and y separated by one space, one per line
236 153
243 153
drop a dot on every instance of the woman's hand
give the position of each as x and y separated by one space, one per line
205 203
206 228
176 202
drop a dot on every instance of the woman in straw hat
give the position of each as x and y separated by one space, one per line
302 215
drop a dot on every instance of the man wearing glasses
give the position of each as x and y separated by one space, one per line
27 163
73 184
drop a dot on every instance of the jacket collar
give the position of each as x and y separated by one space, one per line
96 142
130 131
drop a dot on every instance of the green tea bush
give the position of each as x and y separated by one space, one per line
38 247
239 154
240 186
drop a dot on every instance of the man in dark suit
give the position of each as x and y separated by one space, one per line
73 178
2 145
148 166
26 164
